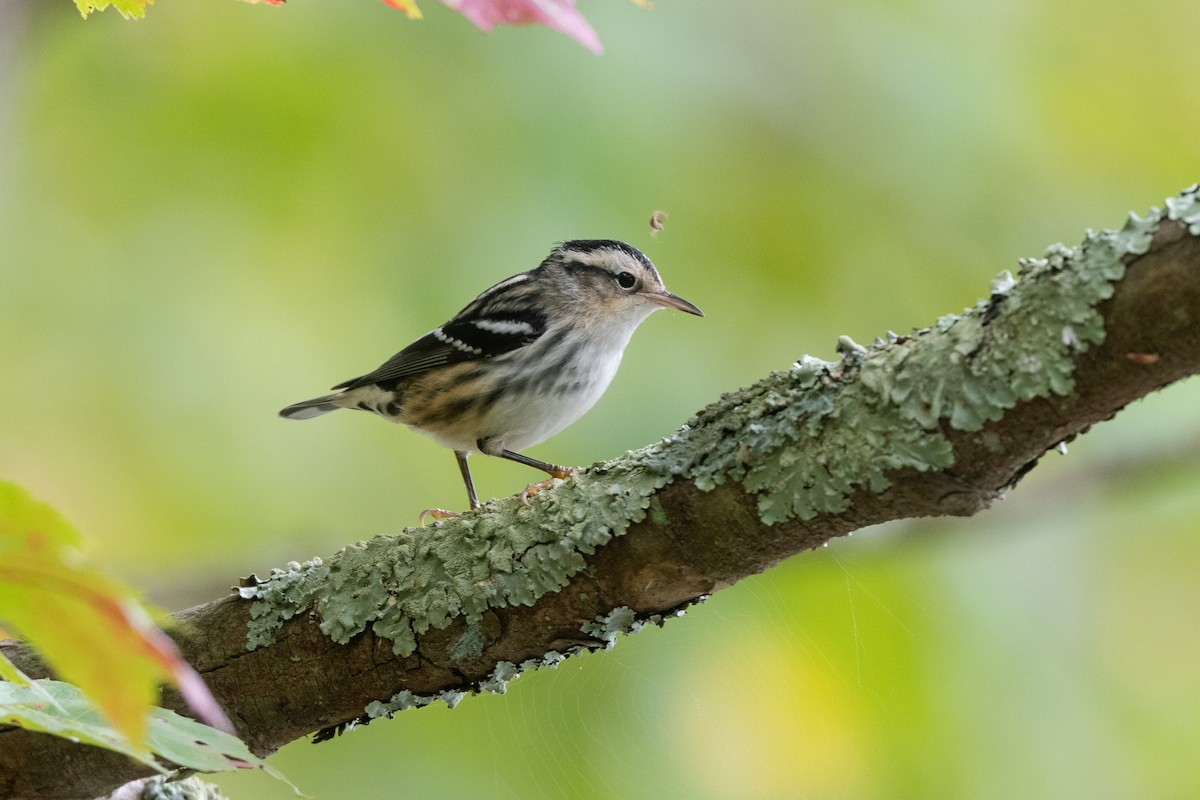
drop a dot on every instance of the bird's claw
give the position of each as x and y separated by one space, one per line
437 514
533 488
557 476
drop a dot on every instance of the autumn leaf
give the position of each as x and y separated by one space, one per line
93 631
560 15
409 7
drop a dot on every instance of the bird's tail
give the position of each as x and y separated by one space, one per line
311 408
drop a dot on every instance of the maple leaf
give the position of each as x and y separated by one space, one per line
92 630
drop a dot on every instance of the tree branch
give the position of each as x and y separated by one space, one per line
940 422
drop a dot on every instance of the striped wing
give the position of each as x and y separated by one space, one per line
499 321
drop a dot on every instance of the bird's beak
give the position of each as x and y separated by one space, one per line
668 300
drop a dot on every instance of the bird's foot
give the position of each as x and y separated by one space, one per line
438 514
557 475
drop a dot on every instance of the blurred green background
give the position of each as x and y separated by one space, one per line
226 208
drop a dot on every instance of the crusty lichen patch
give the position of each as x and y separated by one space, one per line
804 439
497 682
423 578
623 619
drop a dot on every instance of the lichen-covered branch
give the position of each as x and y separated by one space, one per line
941 421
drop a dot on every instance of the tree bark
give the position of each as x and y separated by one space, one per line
706 521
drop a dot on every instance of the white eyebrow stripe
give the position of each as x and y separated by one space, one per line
457 344
521 278
600 259
503 326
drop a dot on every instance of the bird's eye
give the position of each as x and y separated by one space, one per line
626 280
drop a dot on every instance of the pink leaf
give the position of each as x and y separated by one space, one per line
560 15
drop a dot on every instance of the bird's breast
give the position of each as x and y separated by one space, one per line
516 400
547 397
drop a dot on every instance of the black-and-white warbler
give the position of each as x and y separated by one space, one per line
521 362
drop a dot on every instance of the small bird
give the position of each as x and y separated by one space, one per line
522 361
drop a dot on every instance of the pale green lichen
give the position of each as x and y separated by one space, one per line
805 439
404 700
1184 209
504 673
470 644
623 619
404 585
605 628
656 512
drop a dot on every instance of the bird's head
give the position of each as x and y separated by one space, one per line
611 280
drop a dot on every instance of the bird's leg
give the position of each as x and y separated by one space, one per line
461 455
441 513
553 470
